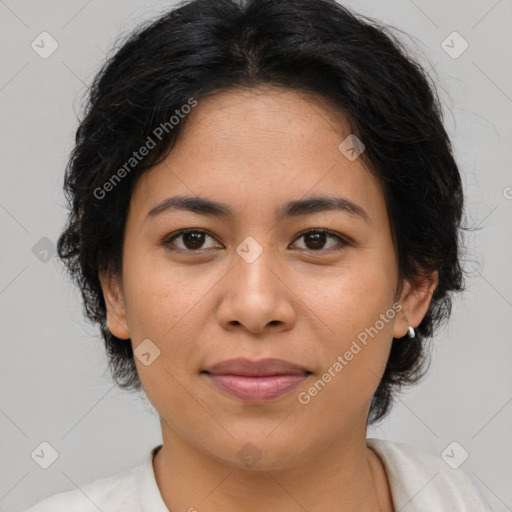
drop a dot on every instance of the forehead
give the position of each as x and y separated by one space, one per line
241 122
258 149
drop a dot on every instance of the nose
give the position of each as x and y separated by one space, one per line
256 296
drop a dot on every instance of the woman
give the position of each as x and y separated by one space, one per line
264 221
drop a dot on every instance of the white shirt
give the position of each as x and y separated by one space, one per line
419 482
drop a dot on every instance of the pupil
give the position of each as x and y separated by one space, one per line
195 240
318 240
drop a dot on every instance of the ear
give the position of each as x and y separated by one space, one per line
114 300
415 299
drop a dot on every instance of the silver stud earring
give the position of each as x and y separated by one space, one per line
411 332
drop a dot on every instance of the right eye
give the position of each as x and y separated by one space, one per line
192 240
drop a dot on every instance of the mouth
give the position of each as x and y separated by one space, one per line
256 381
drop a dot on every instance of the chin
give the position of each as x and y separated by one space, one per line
260 453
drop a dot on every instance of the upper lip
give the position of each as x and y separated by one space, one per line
263 367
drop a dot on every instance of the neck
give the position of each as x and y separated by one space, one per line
346 475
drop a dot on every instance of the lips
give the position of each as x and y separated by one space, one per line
256 381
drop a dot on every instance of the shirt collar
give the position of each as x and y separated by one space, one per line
147 489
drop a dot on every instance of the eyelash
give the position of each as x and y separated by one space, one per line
170 238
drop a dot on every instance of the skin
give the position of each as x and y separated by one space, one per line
255 150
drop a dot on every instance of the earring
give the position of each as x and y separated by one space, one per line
411 332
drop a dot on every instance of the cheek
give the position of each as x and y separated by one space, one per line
352 299
165 305
164 298
355 356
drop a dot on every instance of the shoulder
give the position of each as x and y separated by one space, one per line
113 493
419 479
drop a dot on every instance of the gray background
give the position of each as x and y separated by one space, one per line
55 387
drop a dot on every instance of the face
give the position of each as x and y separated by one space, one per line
316 288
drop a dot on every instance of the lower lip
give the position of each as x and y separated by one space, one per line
256 389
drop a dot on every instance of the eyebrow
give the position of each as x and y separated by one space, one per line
204 206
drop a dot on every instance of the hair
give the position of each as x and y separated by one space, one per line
314 47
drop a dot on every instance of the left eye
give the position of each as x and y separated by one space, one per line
193 240
317 238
